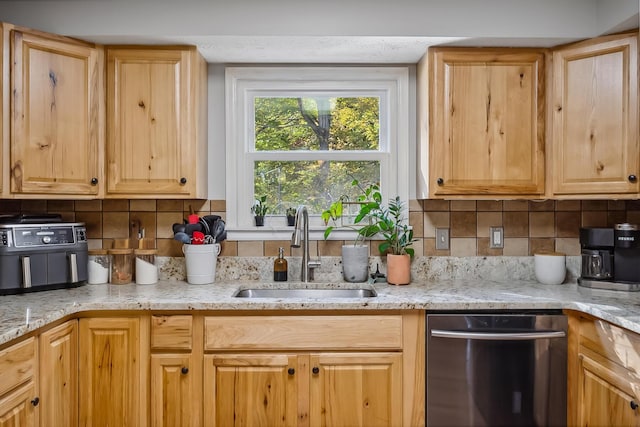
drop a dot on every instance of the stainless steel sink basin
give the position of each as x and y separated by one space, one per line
305 293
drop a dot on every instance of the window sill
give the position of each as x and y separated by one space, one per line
285 232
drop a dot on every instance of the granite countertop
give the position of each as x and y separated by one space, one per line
21 314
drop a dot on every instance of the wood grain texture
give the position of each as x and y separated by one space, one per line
251 390
486 122
303 332
156 130
171 332
59 374
356 389
19 362
175 397
55 116
595 117
16 409
112 374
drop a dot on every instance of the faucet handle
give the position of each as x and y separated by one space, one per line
314 263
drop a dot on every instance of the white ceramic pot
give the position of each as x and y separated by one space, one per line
355 263
550 267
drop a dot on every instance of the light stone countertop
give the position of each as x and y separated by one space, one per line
20 314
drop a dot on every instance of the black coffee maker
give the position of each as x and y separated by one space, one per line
610 257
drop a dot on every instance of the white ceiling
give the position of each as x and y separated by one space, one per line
324 31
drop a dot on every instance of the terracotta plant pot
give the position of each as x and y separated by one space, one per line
398 269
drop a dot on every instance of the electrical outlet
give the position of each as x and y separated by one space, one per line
442 239
496 237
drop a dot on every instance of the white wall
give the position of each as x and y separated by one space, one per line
468 18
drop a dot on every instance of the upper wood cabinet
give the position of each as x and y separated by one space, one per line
156 122
595 117
55 108
486 122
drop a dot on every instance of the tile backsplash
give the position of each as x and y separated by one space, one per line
529 226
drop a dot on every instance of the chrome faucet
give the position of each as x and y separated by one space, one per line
302 226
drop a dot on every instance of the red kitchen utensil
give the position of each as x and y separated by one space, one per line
194 218
197 238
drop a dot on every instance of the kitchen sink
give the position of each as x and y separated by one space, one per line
305 293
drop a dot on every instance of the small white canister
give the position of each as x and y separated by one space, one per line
99 266
550 267
146 268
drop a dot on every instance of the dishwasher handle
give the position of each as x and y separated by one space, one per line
497 336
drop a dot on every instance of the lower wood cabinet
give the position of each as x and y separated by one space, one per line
59 375
251 389
175 399
356 389
604 374
18 388
319 389
19 408
113 371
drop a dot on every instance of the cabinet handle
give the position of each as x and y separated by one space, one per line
315 370
634 405
633 178
291 371
94 181
184 370
440 181
36 400
183 180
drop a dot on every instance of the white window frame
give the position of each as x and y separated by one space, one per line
243 84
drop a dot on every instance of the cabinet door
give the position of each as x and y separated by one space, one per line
486 122
251 390
110 373
356 389
19 408
607 394
595 117
59 375
55 116
175 391
151 115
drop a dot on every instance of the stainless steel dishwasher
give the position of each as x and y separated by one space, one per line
496 369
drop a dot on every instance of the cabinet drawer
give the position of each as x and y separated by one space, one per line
303 332
171 332
18 363
614 343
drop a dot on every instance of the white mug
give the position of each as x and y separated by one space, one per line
550 267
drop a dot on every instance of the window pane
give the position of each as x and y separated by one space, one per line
314 183
317 123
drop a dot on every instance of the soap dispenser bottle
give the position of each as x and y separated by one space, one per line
280 267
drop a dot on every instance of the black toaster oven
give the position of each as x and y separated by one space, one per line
40 252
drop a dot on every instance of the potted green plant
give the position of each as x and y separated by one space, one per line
355 257
259 210
391 224
291 216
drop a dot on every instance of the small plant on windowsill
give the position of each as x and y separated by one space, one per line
259 210
291 216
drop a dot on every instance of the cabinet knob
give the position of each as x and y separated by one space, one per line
633 178
184 370
315 370
291 371
94 181
183 180
36 400
440 181
633 405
